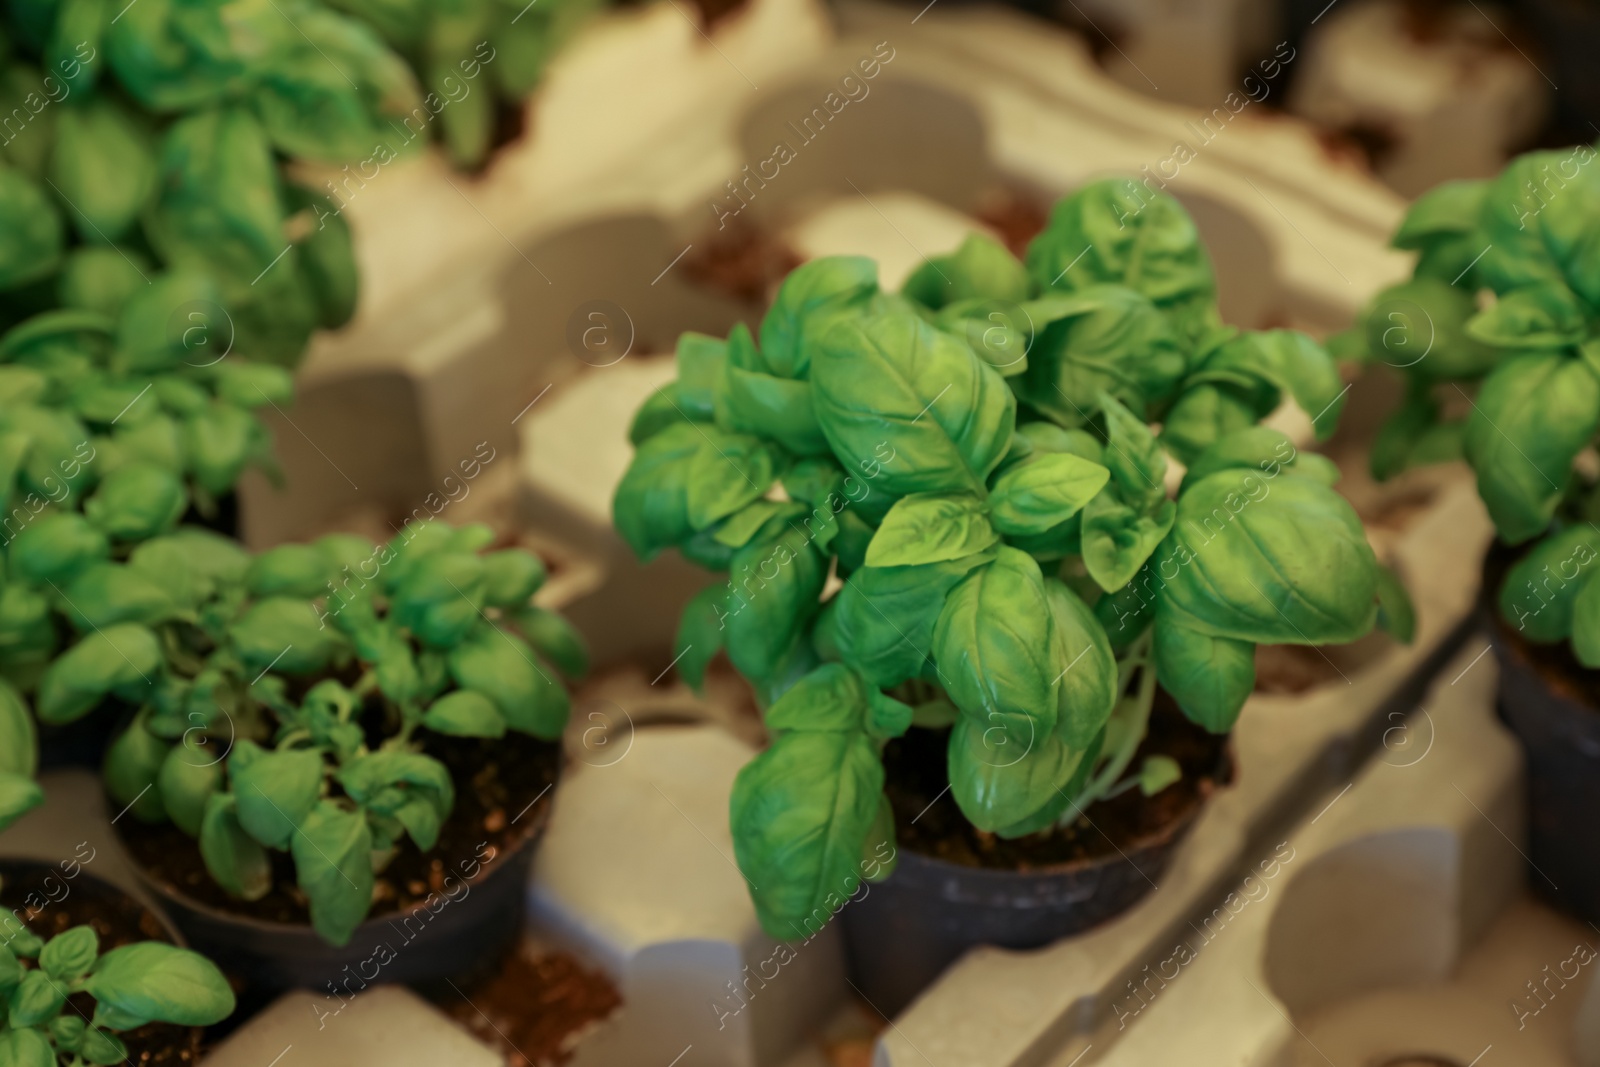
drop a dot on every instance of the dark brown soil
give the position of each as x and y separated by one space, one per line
1017 217
536 1008
917 777
502 794
119 920
744 262
1555 663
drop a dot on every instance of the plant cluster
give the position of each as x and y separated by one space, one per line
145 982
111 417
947 508
449 45
284 701
148 231
1505 301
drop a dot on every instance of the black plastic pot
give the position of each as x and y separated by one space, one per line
25 883
1559 732
224 521
83 742
902 933
461 939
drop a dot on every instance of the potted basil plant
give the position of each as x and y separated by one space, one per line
981 609
126 419
478 61
146 998
330 743
164 146
1497 335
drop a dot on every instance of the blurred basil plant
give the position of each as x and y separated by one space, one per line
1501 322
947 508
130 986
472 58
154 136
285 700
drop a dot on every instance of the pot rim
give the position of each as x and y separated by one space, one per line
1166 836
167 925
1511 648
502 859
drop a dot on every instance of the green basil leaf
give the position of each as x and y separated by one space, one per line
1158 772
1285 360
511 576
100 1047
26 1048
1119 538
335 92
651 506
1203 414
1270 561
333 865
137 502
18 796
1538 592
885 618
1514 251
104 165
1000 780
808 301
369 779
286 635
56 548
1448 209
801 814
886 717
1535 412
1422 327
700 634
1087 687
158 982
1209 677
441 598
1104 339
109 593
726 473
993 647
700 359
1586 624
831 698
70 954
31 236
893 392
36 1000
125 659
504 668
1122 231
218 204
931 528
176 318
554 638
1539 316
19 740
1567 225
191 772
464 713
1397 616
1043 492
289 571
780 409
662 408
237 861
274 790
67 1031
981 269
220 441
776 586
